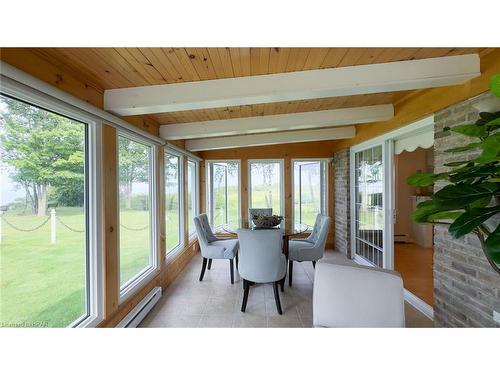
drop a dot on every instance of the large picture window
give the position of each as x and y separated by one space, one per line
192 194
173 200
309 190
46 230
266 184
135 160
223 192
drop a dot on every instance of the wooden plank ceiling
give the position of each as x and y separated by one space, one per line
111 68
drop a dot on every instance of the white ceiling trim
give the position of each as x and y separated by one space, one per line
204 144
309 84
276 123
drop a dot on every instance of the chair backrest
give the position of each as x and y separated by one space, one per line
357 296
261 257
203 230
319 233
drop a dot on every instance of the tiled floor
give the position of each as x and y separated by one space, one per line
214 302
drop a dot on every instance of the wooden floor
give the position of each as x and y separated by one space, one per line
414 263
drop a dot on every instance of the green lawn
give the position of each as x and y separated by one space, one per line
43 283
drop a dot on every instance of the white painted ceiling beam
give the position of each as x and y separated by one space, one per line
204 144
309 84
276 123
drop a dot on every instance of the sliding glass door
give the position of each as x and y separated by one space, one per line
368 200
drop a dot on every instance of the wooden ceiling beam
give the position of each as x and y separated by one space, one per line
309 84
218 143
277 123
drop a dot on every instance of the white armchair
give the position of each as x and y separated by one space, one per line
261 260
311 248
213 247
357 296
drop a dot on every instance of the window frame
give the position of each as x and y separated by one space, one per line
93 222
282 181
209 184
133 285
196 193
323 184
175 250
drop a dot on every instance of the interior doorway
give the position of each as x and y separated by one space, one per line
413 243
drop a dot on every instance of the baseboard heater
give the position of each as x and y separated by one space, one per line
138 313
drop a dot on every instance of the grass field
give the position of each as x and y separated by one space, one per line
43 283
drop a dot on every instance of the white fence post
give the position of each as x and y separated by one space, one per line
1 213
53 225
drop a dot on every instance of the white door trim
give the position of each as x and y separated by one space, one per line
387 140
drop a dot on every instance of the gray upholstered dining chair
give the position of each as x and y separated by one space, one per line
258 211
357 296
213 247
261 261
311 248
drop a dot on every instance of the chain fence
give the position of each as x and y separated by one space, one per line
68 227
134 229
53 218
15 227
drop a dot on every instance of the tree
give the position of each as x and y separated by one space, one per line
134 161
43 149
267 170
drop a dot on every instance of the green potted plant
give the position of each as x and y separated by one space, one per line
471 199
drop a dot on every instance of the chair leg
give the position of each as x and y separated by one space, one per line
314 263
246 289
237 261
277 297
203 266
282 283
209 263
290 272
232 270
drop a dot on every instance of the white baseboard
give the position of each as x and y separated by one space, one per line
420 305
134 317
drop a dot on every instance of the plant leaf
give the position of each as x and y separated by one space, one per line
492 245
470 220
471 130
494 122
456 163
491 149
446 215
470 146
480 203
458 196
423 211
495 85
421 179
480 171
488 116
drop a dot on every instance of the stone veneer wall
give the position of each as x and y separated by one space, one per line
466 289
342 203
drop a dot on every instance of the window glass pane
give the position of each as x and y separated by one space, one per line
172 200
223 187
309 191
265 185
191 195
134 165
43 208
